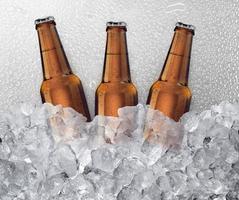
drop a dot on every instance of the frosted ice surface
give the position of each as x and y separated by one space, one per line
128 193
105 159
50 152
81 25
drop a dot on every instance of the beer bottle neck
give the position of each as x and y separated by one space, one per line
54 61
176 66
116 64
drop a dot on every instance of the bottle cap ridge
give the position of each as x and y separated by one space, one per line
185 26
44 20
116 24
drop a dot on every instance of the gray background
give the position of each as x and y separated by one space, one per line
81 25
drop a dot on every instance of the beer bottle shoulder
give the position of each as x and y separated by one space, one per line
116 87
174 88
172 99
61 80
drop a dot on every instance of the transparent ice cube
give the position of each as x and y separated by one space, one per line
128 193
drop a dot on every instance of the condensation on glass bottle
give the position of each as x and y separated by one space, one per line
116 89
60 85
170 94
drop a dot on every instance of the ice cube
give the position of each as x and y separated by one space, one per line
4 151
105 186
128 116
226 108
173 160
4 127
143 180
6 169
235 166
202 160
164 183
93 174
195 139
153 151
18 176
126 170
66 123
27 108
105 159
153 192
55 183
234 138
190 121
232 195
63 160
220 168
82 152
81 185
163 130
177 180
3 189
128 193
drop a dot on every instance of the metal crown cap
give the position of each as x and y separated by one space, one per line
116 24
185 26
44 20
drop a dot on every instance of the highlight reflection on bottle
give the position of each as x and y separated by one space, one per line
170 94
116 89
60 85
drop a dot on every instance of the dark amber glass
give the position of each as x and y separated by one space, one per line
170 94
116 89
60 85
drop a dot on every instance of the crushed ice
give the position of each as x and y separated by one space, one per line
50 152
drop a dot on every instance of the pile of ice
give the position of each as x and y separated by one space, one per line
49 152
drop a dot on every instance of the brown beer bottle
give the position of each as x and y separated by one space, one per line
170 94
116 89
60 85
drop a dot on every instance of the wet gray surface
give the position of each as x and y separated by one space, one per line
81 24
